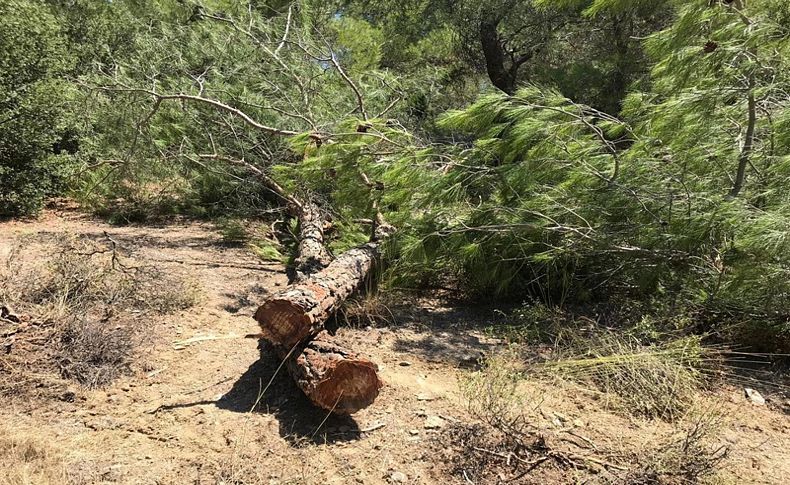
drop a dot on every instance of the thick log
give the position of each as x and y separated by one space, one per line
332 377
299 312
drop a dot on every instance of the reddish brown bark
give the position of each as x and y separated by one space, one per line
334 378
299 312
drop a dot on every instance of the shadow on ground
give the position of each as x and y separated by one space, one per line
299 420
456 336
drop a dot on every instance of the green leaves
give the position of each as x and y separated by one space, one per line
33 102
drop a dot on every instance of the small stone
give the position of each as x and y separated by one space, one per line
414 432
433 422
755 396
398 477
404 363
557 422
425 397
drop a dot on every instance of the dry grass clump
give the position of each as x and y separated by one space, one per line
508 443
511 441
24 460
94 353
655 381
686 457
493 395
504 444
371 308
85 306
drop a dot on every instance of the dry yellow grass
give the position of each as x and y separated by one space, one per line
28 460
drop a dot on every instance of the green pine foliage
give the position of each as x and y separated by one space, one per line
644 150
559 199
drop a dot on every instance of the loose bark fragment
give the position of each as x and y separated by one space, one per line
332 377
299 311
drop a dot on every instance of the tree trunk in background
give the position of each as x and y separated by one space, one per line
500 76
748 141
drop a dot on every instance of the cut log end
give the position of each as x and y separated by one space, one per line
283 322
350 385
333 377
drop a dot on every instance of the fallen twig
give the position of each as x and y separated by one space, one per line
373 428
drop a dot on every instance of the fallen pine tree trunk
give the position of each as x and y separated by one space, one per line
328 374
311 255
332 377
300 311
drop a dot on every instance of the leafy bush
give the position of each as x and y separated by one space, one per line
33 57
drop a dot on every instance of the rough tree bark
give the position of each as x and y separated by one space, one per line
299 312
312 255
334 378
494 55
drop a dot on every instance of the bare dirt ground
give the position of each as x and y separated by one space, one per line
219 412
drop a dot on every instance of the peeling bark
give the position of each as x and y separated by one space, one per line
312 255
332 377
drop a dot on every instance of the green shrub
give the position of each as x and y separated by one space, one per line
32 98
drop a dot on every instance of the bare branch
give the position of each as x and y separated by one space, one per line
287 29
357 92
213 102
294 204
